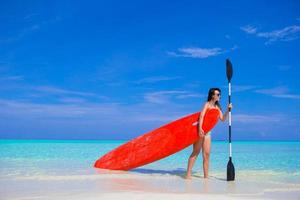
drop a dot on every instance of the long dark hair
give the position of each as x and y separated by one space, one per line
211 92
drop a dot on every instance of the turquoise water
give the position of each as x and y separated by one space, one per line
63 169
28 157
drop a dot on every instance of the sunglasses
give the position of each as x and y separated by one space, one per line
218 94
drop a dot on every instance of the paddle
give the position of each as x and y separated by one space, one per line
230 167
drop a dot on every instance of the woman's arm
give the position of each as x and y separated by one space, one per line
224 117
201 132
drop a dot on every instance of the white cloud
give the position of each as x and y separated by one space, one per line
288 33
185 96
46 110
287 96
163 97
11 78
241 88
72 100
285 34
246 118
194 52
156 117
52 93
193 84
234 47
99 114
279 92
155 79
55 90
249 29
274 91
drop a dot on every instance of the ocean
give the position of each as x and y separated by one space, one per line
53 169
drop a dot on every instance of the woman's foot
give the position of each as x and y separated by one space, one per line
188 176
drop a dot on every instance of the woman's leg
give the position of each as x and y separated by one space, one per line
196 150
206 153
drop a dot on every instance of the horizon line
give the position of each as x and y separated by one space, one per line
51 139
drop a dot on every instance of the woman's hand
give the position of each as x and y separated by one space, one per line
229 107
201 133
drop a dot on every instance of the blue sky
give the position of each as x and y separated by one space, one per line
117 69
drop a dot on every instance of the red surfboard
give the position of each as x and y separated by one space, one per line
159 143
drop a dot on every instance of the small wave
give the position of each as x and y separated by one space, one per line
267 173
295 189
46 177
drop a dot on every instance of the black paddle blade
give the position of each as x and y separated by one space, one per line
229 70
230 171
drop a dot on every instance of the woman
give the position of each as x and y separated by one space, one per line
204 141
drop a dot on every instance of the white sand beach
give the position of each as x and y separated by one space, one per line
137 185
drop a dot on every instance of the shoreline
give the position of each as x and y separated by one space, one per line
123 140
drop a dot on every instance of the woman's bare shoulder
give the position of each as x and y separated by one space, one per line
205 105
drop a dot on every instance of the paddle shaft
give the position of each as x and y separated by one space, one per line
229 100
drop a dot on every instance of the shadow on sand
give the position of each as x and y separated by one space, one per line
180 172
177 172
